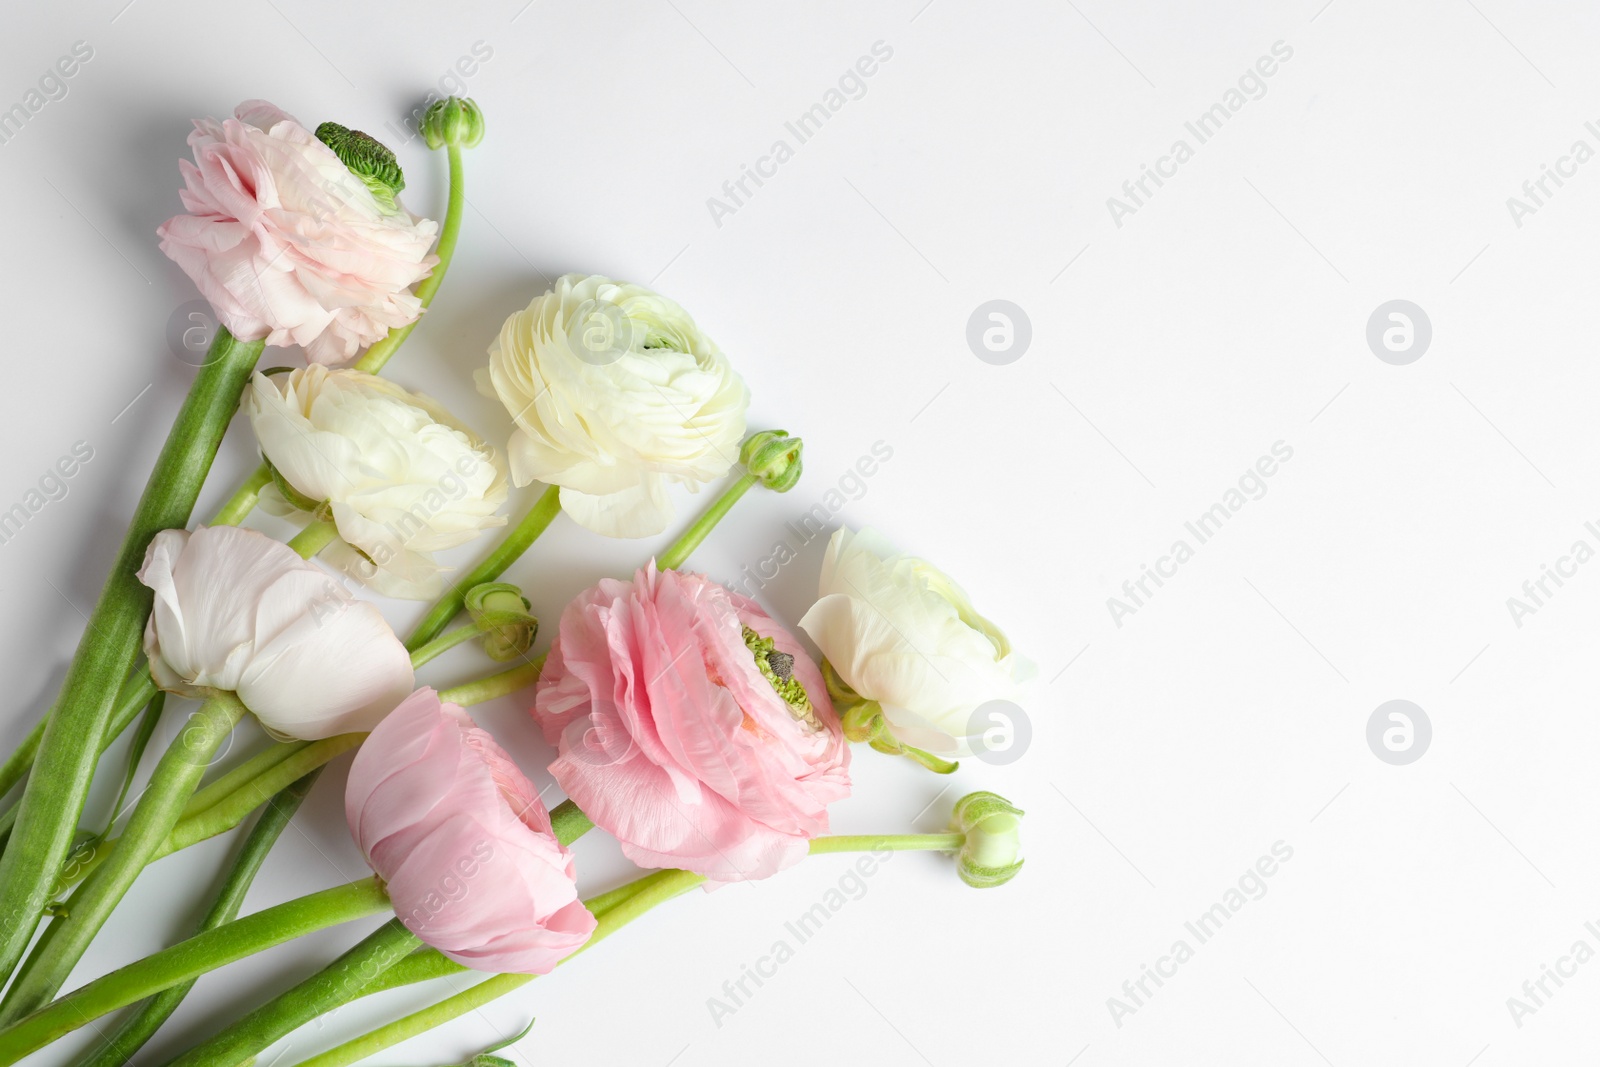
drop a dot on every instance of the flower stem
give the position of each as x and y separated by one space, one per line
142 1023
243 501
47 818
651 890
170 787
444 643
674 557
190 959
379 354
317 535
516 542
821 846
340 981
495 685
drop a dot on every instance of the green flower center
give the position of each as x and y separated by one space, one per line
778 669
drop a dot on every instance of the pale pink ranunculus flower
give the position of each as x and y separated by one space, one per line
287 244
691 726
463 842
238 611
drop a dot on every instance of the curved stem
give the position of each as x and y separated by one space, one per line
190 959
449 233
444 643
495 685
170 787
47 818
674 557
341 981
142 1023
649 891
516 542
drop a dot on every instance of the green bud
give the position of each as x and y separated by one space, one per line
501 614
994 839
368 159
773 457
319 508
453 121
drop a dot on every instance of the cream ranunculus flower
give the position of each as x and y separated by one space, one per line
238 611
616 395
399 476
897 630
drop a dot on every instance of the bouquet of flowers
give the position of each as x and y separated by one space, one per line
687 722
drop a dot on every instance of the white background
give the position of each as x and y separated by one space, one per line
1168 353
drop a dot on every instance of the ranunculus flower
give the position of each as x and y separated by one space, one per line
402 478
617 396
691 726
463 842
287 244
238 611
899 631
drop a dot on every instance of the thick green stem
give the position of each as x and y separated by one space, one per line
568 822
170 787
675 556
142 1023
52 803
444 643
317 535
650 891
503 684
190 959
516 542
449 233
341 981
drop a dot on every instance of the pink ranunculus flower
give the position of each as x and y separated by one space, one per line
463 842
691 726
287 244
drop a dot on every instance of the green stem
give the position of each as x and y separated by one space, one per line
444 643
568 822
650 891
170 787
341 981
141 740
317 535
142 1023
243 501
495 685
136 694
190 959
821 846
52 803
674 557
379 354
516 542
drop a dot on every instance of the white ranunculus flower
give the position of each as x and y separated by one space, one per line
238 611
401 477
617 395
899 631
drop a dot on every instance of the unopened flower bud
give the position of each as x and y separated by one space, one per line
368 159
993 827
501 614
774 457
453 121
